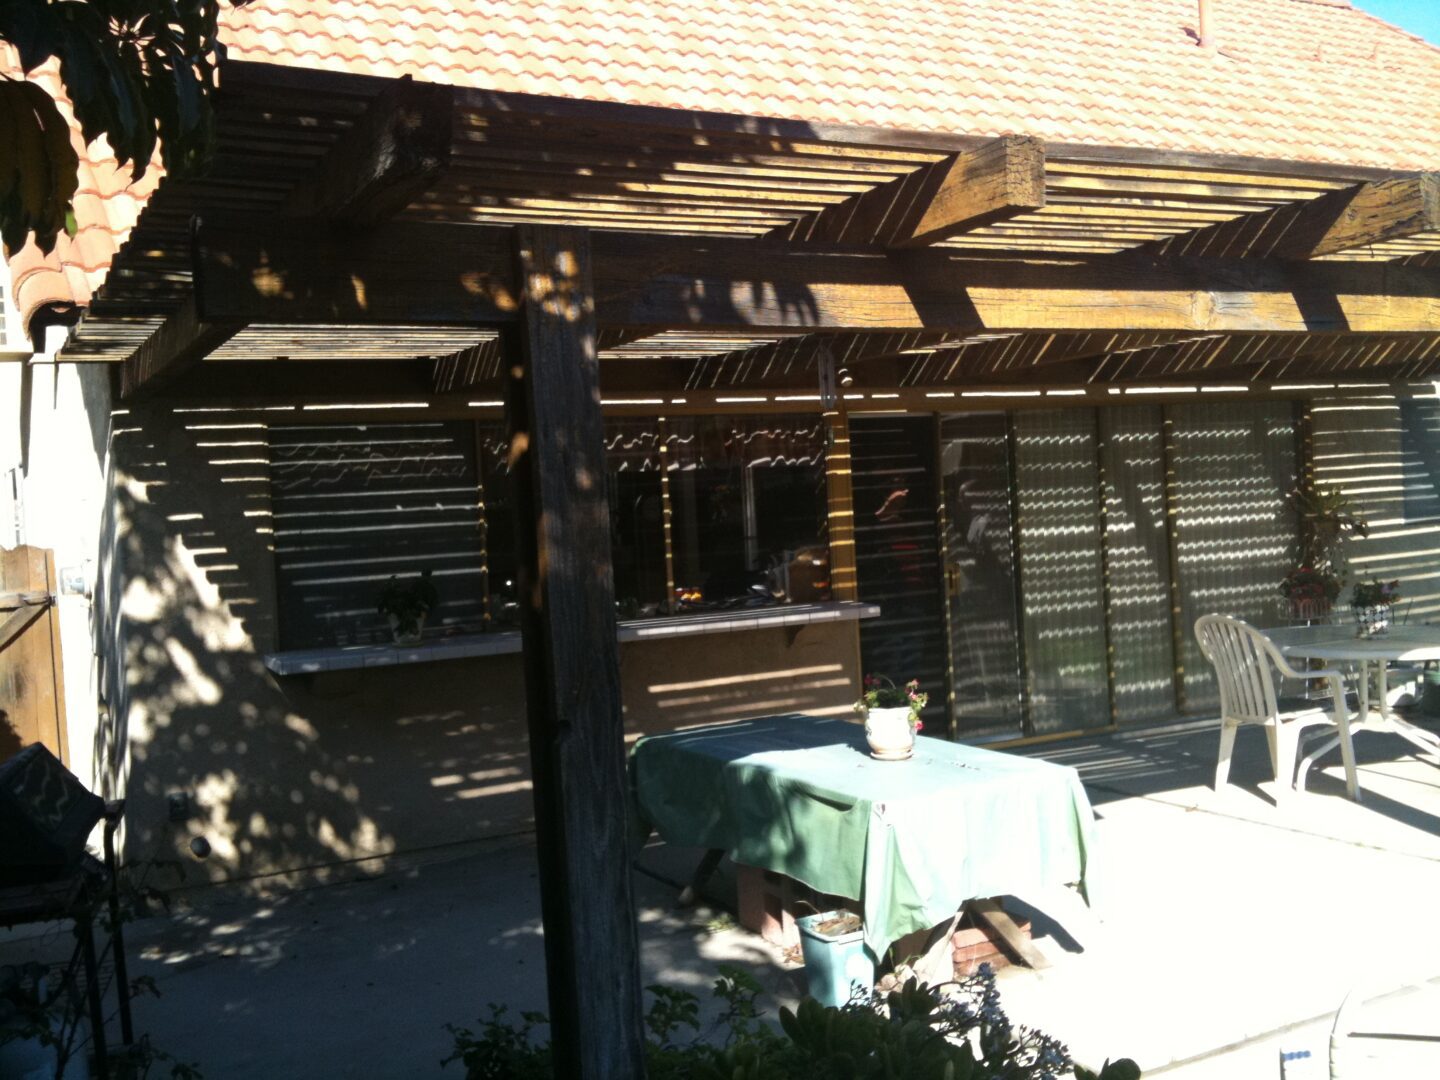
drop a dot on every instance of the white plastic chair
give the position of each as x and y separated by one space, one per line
1247 667
1385 1031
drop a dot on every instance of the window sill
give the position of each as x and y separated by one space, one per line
353 657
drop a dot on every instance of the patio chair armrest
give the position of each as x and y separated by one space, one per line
1282 662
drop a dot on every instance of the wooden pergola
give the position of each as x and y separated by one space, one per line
456 250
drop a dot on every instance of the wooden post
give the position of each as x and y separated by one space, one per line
840 506
572 672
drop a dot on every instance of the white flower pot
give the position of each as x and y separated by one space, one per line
411 638
889 733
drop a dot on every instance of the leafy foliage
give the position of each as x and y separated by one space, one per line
38 1007
139 72
408 600
1375 593
1328 516
1305 583
956 1032
45 1007
880 692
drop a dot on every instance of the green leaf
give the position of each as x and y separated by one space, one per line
31 29
1124 1069
141 74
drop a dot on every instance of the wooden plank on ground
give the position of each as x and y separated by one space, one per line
994 916
572 666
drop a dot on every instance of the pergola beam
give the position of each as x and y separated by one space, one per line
1256 357
394 153
405 272
176 346
1355 217
798 359
967 190
465 372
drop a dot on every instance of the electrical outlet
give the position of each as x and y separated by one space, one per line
178 804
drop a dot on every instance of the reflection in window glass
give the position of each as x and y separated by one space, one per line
501 556
357 504
637 520
748 511
637 531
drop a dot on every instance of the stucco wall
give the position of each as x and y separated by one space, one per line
312 773
54 420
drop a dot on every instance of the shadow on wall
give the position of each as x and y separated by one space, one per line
717 678
313 771
1385 454
281 777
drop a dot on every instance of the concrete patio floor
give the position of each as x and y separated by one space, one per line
1232 929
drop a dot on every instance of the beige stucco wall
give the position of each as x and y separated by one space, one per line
311 775
54 420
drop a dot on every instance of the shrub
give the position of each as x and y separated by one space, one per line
952 1032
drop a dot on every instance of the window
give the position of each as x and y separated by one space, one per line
357 503
748 511
353 505
637 515
502 557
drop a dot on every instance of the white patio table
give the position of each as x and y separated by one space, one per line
1369 656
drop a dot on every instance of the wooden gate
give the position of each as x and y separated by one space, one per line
32 684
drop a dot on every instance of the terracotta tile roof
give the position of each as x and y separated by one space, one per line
107 205
1315 80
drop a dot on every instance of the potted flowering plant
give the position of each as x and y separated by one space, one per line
892 716
406 602
1373 603
1310 591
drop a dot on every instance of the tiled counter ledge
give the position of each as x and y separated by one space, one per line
350 657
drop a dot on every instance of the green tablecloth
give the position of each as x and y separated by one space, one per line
911 840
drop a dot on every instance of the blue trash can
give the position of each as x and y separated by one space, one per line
837 965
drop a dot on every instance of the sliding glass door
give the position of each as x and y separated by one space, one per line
1042 568
979 575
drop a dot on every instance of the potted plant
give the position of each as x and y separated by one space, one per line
1327 517
892 716
406 602
1310 592
1373 603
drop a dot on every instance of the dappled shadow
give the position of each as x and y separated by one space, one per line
286 775
1178 764
1384 453
359 979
